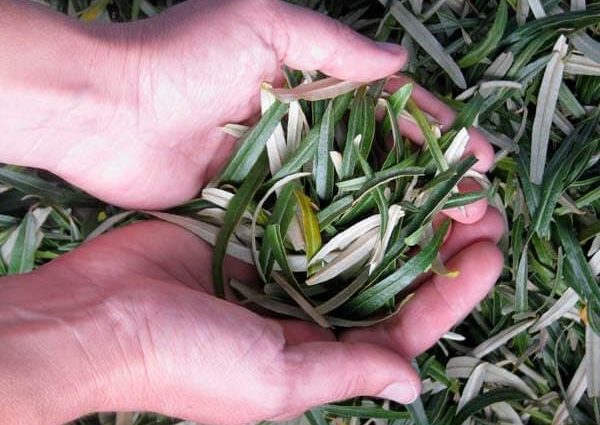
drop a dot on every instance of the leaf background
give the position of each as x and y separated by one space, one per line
545 287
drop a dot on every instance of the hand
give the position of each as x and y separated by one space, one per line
132 113
127 322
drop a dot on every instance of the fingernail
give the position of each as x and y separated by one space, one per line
396 49
404 392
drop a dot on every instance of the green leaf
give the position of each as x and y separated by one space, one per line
275 242
333 211
397 103
364 184
236 208
308 145
556 177
363 412
380 200
315 417
483 400
282 215
480 51
376 296
29 184
361 122
577 270
569 21
461 199
26 241
322 166
427 41
430 207
252 146
430 139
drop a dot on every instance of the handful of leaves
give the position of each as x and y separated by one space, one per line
337 225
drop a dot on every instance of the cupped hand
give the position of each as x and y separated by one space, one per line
135 119
128 322
172 81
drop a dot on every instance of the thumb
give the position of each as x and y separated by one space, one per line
322 372
307 40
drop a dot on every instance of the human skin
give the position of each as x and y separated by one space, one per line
127 322
132 114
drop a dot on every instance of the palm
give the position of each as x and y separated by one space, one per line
153 278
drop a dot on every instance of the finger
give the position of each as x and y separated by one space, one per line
322 372
490 228
472 212
477 145
313 41
438 304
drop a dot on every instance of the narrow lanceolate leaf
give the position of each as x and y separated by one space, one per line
305 152
483 400
581 65
273 236
310 225
276 144
253 144
364 184
322 166
559 309
462 199
236 130
345 238
430 138
500 66
334 210
325 88
295 126
592 353
500 339
457 147
397 104
378 195
587 45
304 304
29 184
491 41
355 255
236 208
282 216
546 104
360 123
376 296
521 292
537 8
364 412
209 233
395 214
109 223
573 153
575 391
18 252
427 41
577 270
433 204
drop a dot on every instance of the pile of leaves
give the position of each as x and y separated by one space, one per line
527 74
331 243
